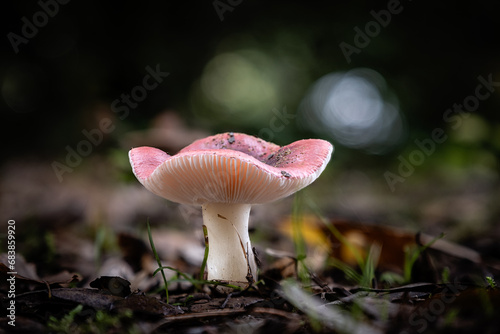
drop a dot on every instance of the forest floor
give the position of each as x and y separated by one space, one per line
425 260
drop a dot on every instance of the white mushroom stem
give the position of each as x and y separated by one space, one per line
230 251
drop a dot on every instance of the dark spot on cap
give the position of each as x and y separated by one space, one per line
285 174
231 138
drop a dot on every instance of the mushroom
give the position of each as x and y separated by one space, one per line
226 174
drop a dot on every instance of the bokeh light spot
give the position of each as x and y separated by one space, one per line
356 109
239 81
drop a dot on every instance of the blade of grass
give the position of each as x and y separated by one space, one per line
412 256
187 277
205 257
298 238
336 233
349 272
99 245
157 260
368 270
367 265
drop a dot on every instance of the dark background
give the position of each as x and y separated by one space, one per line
90 52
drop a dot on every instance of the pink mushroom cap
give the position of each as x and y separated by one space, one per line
230 168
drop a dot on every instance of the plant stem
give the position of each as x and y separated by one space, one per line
298 239
158 260
205 256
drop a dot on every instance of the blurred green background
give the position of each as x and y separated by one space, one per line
231 74
277 70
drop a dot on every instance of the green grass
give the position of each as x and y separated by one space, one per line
157 257
298 239
62 325
205 256
491 282
412 254
197 283
367 265
89 321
